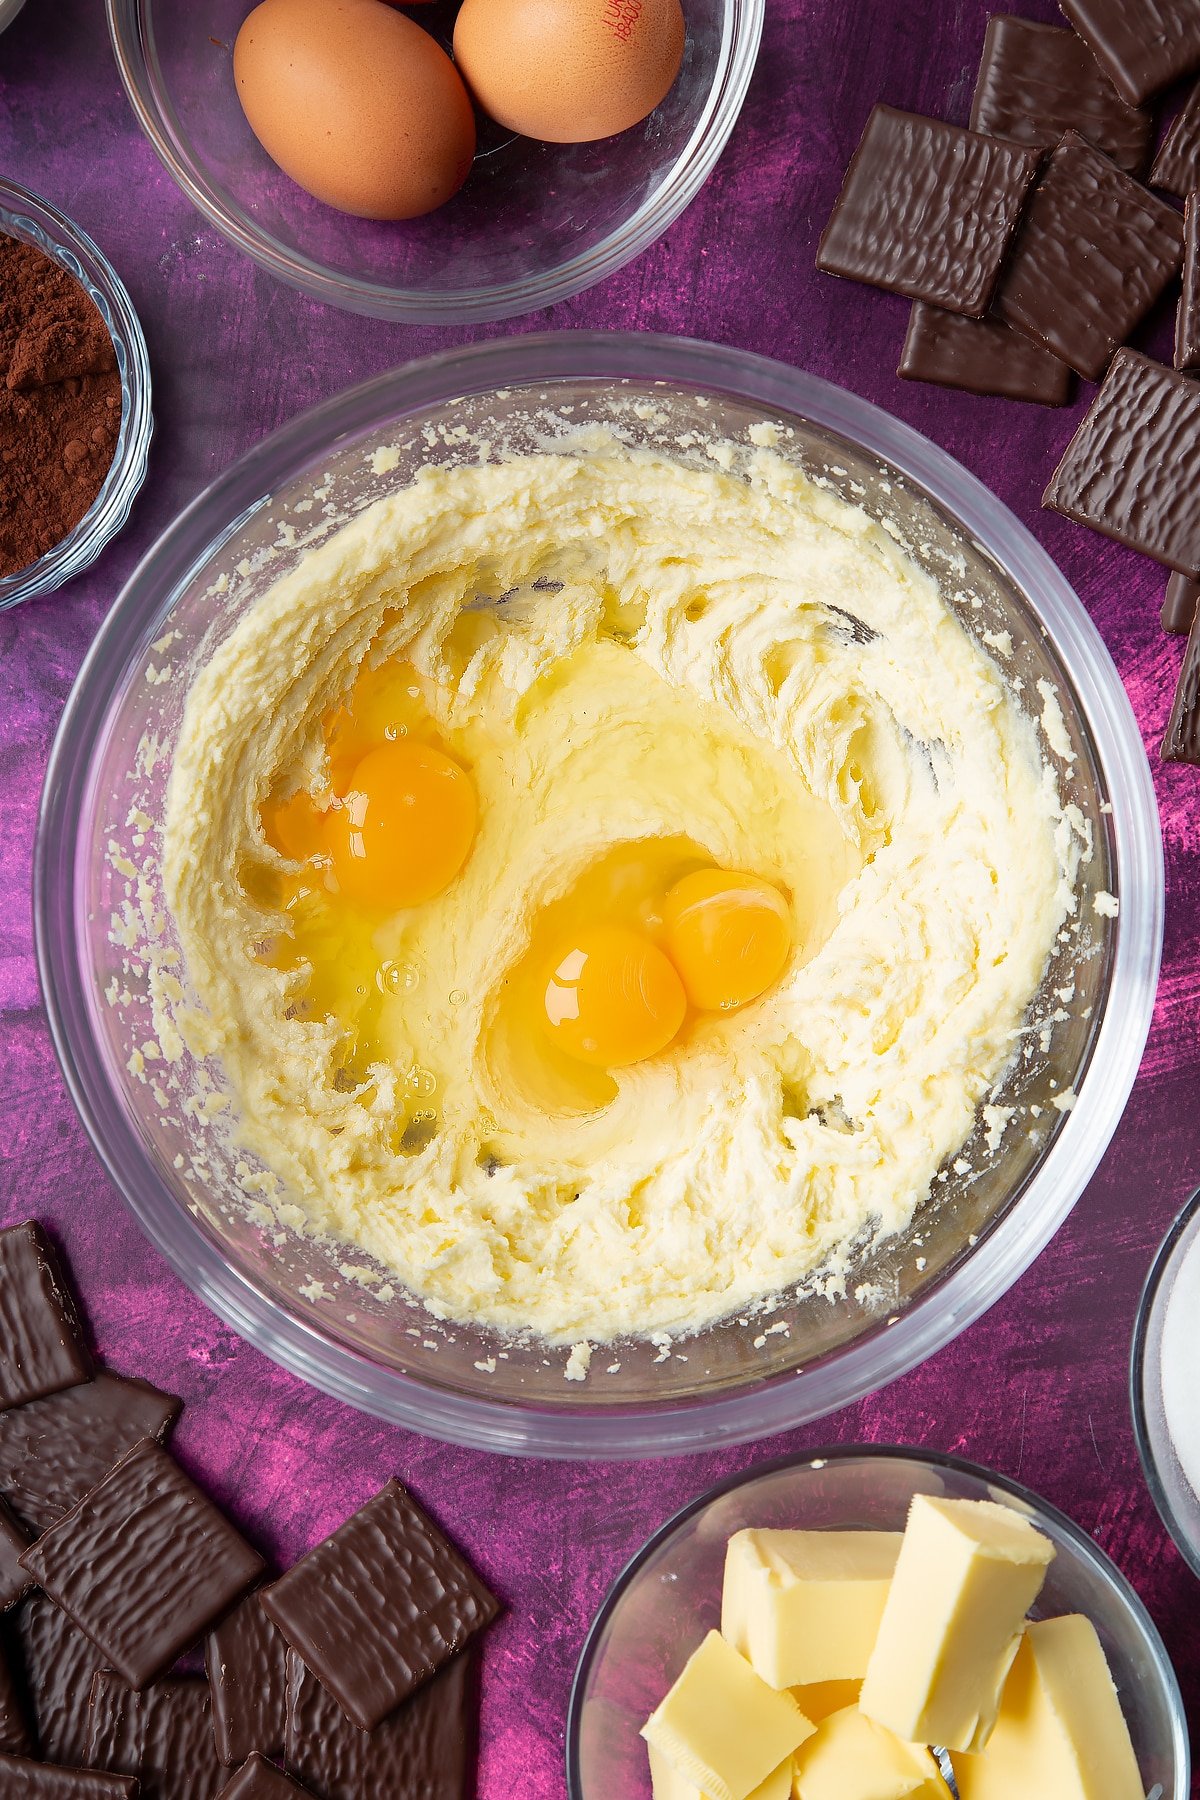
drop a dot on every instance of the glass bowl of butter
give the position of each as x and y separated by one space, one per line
759 1639
154 1099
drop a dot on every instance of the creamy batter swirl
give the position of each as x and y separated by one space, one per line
626 649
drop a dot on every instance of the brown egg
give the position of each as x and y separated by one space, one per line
356 103
569 70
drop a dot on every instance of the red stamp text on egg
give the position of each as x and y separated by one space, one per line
621 17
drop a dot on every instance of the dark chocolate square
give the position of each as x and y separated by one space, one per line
54 1451
1187 313
261 1780
1144 45
424 1751
1132 470
15 1582
59 1663
162 1734
41 1347
1177 165
1182 740
380 1606
981 356
16 1739
1179 604
143 1564
1037 81
927 209
21 1779
246 1659
1094 252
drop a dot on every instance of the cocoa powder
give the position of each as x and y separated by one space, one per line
60 403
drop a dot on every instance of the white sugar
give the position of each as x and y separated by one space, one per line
1181 1365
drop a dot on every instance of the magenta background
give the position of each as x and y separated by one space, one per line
1037 1388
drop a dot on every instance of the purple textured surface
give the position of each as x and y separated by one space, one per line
1037 1387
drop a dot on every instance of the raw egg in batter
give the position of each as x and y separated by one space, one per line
404 829
614 994
387 831
613 998
294 827
728 936
648 936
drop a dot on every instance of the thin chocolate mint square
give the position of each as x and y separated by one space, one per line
1187 313
21 1779
246 1659
1177 165
258 1779
424 1751
15 1582
928 209
1144 45
1182 740
1179 604
380 1606
59 1663
143 1564
1132 470
1094 252
981 356
16 1739
41 1347
1037 81
162 1735
54 1451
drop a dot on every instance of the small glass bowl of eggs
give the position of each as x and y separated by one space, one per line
445 161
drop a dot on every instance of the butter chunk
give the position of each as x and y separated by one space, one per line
967 1573
722 1727
1060 1734
805 1606
817 1699
850 1757
669 1784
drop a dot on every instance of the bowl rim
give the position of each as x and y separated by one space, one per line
1083 1544
741 35
757 1408
1152 1288
40 222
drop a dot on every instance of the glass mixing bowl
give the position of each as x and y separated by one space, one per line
737 1380
1174 1494
23 215
670 1596
535 222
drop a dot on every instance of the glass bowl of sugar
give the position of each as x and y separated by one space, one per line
1164 1389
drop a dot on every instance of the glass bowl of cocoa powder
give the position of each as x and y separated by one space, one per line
75 420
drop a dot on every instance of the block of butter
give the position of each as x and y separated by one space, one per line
805 1606
668 1784
722 1727
967 1573
817 1699
850 1757
1060 1733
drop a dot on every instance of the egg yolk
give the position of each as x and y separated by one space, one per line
385 703
405 827
294 827
727 934
612 998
